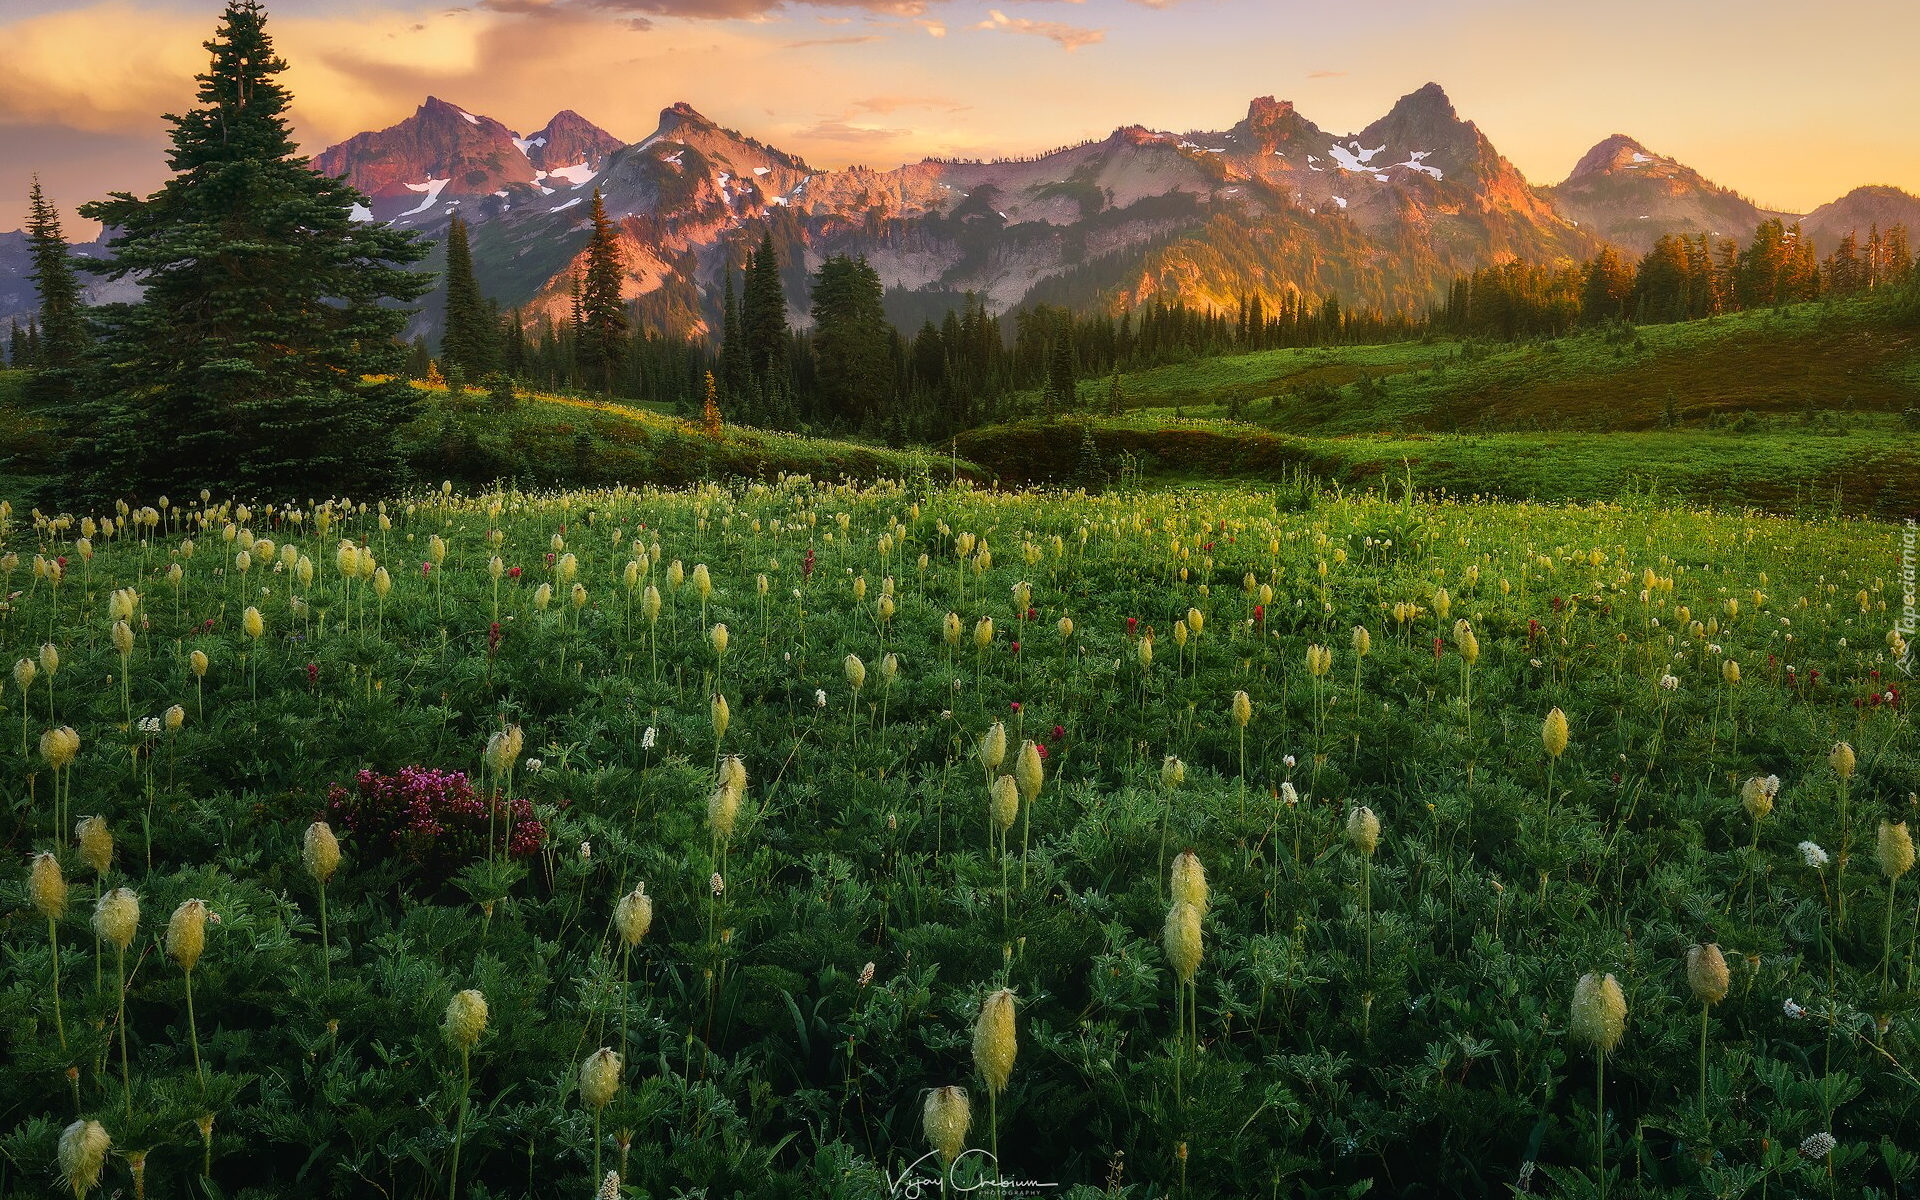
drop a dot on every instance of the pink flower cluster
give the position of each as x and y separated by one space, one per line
433 818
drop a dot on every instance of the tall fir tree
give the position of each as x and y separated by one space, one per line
734 369
63 334
603 314
763 312
471 339
262 356
851 339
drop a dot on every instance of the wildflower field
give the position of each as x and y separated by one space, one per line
801 840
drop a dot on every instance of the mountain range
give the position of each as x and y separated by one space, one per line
1382 217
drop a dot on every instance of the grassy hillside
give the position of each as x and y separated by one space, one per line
1872 466
1849 356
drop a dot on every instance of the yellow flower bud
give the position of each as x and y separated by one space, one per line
1707 973
1182 940
187 933
993 747
466 1020
1003 803
1028 772
1242 709
253 623
1363 830
1553 733
633 916
1599 1015
599 1077
320 852
994 1044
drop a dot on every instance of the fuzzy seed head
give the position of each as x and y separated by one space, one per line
1464 638
1003 803
96 843
1362 641
1319 660
1145 649
946 1116
1730 671
1842 760
1028 771
174 718
856 672
994 1044
702 580
600 1077
1173 772
1553 733
720 715
1195 620
122 638
676 574
1707 973
993 747
382 583
253 623
49 658
1442 604
1188 881
723 807
48 886
733 773
24 673
1894 849
83 1152
1756 798
198 660
116 917
1599 1015
1363 831
466 1020
56 749
633 916
543 596
983 633
1242 709
320 852
950 628
187 933
650 603
1065 627
1181 938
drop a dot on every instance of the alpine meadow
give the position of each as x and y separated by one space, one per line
1186 666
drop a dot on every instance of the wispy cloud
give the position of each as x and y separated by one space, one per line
1070 37
886 105
1325 74
853 40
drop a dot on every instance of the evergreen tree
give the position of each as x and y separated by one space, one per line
63 336
710 423
1061 385
734 370
763 312
16 346
266 309
603 314
471 338
851 339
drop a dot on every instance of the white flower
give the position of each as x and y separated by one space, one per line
866 975
149 724
646 739
1288 795
1818 1146
819 697
1535 663
717 884
1793 1010
586 851
1289 761
1813 855
1669 683
534 765
1771 786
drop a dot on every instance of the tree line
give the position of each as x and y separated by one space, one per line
1680 279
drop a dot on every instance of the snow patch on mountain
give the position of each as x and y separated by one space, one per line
361 213
522 144
432 188
1354 157
579 174
567 205
471 119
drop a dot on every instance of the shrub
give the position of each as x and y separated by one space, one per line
434 819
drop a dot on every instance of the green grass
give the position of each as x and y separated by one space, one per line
1393 1018
550 439
1872 468
1857 356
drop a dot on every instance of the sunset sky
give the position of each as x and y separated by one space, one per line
1790 105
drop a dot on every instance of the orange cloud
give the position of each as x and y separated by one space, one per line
1070 37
